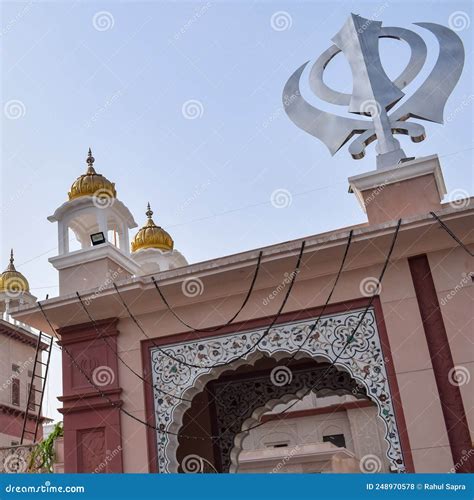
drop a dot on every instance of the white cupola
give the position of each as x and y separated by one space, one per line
100 222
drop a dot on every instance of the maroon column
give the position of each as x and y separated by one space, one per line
92 432
442 361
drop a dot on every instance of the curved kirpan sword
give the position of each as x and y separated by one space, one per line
427 103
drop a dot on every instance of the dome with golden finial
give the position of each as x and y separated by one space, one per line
92 184
152 236
12 281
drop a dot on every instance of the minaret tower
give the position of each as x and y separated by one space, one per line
14 288
153 248
100 222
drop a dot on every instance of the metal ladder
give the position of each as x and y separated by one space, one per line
33 408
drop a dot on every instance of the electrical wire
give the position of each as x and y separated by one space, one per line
115 351
118 405
250 349
102 394
311 330
220 327
349 339
453 236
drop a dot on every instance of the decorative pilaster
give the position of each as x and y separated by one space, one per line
442 361
92 431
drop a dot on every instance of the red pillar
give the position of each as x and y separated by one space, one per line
92 433
442 362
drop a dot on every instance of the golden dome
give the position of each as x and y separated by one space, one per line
12 281
92 184
152 236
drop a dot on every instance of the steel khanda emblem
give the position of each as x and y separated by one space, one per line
373 93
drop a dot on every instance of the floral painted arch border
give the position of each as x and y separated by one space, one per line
362 358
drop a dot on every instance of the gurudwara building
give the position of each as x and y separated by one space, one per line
345 351
242 363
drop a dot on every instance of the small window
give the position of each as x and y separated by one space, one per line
15 368
336 439
32 405
14 443
16 391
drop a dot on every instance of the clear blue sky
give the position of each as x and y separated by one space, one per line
115 76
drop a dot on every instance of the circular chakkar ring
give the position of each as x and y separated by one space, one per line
416 62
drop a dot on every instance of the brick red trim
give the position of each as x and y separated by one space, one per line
319 411
442 362
92 425
87 331
340 307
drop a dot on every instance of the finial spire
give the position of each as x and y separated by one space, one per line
90 162
149 211
11 266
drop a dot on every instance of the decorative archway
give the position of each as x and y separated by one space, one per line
239 403
362 358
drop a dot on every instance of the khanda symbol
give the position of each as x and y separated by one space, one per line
373 93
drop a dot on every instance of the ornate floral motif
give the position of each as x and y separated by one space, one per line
361 356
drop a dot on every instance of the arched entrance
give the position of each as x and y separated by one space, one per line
361 359
232 405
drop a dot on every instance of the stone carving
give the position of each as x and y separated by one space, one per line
362 358
91 450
